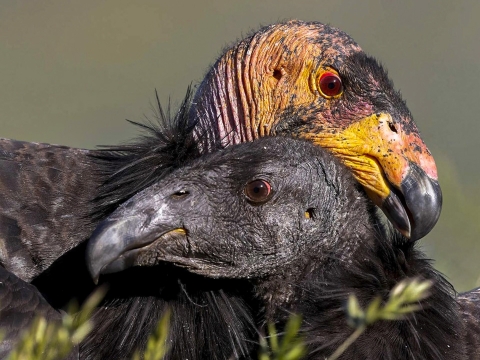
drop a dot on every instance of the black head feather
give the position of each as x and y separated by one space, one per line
167 143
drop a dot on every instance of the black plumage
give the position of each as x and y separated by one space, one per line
20 303
45 198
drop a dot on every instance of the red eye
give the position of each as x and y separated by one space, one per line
258 191
330 85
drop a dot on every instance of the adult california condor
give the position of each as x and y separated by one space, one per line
342 100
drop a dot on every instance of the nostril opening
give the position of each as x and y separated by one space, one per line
310 213
392 126
180 194
277 74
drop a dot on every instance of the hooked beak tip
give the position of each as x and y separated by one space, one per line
118 241
109 240
423 199
415 208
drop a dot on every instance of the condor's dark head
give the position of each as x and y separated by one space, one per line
274 207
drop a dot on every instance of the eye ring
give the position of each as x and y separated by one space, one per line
330 85
258 191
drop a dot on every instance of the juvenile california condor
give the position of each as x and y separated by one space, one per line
278 226
339 97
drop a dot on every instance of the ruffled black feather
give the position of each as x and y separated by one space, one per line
167 144
435 332
210 319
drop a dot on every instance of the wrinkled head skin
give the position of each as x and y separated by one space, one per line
269 84
201 216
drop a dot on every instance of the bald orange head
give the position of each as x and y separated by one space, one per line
313 81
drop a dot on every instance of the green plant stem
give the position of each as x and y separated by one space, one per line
350 340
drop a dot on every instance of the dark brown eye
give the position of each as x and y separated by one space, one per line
258 191
330 85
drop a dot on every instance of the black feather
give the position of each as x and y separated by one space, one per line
435 332
168 143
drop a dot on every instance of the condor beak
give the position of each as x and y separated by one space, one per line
415 209
394 166
119 240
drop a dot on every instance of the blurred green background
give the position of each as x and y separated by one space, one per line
72 71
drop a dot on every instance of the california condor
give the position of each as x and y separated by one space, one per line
250 234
